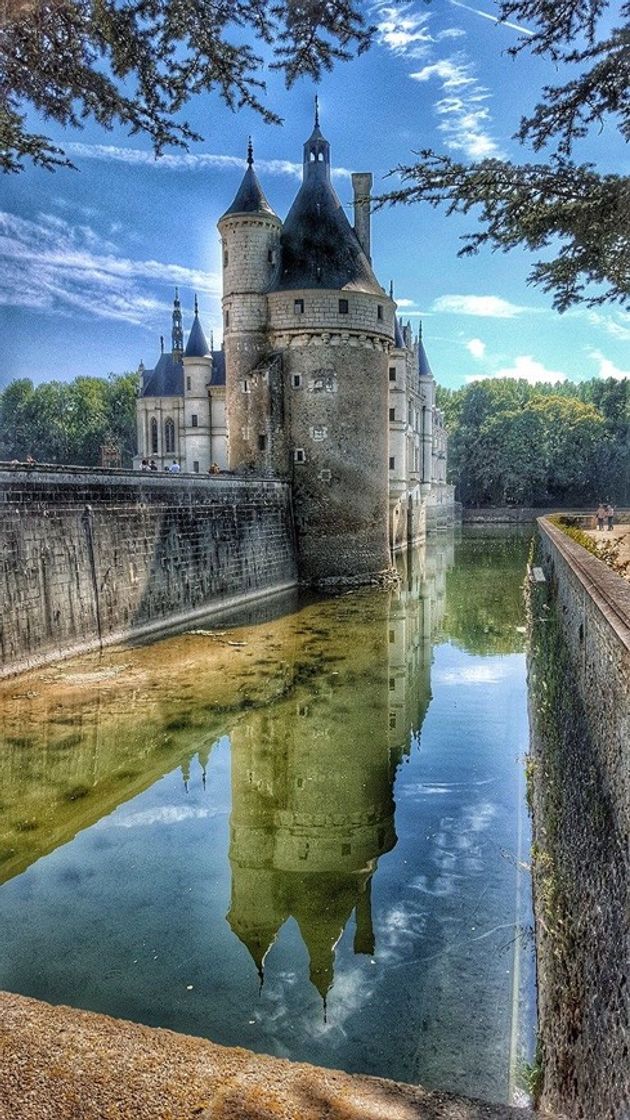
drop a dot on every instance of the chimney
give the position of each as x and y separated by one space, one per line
362 186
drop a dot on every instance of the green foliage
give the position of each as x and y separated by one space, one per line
138 62
578 217
512 443
491 621
68 421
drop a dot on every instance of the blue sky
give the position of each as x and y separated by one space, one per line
89 259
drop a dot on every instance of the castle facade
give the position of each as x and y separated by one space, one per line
317 380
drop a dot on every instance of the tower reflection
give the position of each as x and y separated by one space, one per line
313 778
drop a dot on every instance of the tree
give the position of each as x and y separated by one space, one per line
516 443
580 215
68 422
138 62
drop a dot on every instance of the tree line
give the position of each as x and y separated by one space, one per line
513 443
68 421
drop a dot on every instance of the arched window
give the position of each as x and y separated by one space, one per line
154 436
169 436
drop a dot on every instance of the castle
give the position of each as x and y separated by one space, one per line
317 381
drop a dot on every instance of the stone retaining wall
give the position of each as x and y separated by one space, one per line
88 557
580 790
511 515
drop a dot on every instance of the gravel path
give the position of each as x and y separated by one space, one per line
57 1063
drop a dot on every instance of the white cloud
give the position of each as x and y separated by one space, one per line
608 368
490 307
187 161
484 673
525 368
51 265
464 118
405 303
403 30
495 19
476 347
452 73
615 324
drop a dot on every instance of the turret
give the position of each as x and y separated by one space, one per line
250 236
197 362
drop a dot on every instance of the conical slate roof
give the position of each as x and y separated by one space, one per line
250 197
399 341
424 369
196 347
319 246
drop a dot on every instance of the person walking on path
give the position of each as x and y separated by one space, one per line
610 514
600 515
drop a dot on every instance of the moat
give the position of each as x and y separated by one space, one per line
302 831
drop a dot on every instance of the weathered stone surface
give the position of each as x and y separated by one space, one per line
580 701
90 557
61 1064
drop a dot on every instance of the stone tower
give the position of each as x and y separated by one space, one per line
250 235
333 324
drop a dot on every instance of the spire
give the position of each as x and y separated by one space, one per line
316 152
196 347
177 335
424 369
211 342
250 197
161 344
391 289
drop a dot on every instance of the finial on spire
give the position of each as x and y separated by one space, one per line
161 344
316 111
196 305
250 152
211 342
391 289
176 295
419 330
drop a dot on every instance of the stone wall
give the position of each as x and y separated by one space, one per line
514 515
580 792
90 557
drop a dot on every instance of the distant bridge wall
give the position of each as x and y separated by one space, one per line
90 557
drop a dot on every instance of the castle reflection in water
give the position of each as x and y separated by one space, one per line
312 782
312 767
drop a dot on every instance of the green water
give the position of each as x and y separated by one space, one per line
304 833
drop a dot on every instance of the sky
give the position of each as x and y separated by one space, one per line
89 259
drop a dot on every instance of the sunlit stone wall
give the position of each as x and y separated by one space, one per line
89 557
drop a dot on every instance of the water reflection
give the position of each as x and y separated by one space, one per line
317 802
